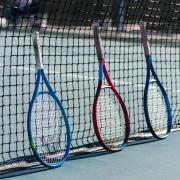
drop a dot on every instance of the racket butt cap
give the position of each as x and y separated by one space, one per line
95 25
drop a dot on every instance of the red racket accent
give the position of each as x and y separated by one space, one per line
110 116
95 115
126 116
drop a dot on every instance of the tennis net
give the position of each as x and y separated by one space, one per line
69 58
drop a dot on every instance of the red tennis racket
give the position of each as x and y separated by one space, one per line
110 116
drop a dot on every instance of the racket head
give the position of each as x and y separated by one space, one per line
157 109
109 122
48 129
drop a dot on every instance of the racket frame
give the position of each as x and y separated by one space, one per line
41 75
150 69
103 73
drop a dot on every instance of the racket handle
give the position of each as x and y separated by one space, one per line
37 51
145 40
96 32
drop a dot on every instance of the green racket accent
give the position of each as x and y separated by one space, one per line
33 145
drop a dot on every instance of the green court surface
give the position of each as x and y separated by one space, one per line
151 161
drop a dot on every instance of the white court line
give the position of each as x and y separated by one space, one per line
70 75
80 77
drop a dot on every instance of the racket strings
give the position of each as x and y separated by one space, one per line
157 109
48 129
110 118
106 113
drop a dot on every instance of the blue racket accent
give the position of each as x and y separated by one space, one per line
157 107
48 126
150 69
100 72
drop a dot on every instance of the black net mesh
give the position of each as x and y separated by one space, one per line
71 64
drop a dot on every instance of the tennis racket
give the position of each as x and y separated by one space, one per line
48 127
156 102
110 116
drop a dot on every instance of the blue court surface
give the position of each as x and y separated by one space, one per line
145 161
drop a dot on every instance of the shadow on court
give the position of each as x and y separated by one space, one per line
15 172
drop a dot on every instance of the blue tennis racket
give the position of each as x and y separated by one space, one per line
48 127
156 102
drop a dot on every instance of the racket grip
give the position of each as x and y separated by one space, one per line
37 51
145 40
96 32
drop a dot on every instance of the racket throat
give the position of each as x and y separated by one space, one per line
152 80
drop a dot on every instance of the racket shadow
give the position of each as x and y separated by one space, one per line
16 172
23 171
88 155
140 141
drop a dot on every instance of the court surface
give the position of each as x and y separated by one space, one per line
151 161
